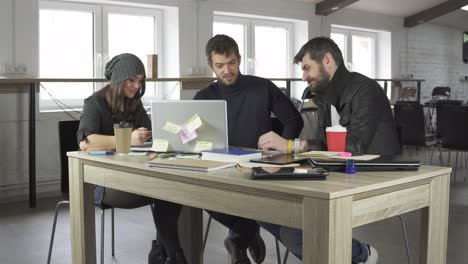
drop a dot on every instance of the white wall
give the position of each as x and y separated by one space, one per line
434 54
19 44
6 22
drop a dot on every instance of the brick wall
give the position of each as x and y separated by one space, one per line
434 53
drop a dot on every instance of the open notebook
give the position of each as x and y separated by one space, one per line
190 164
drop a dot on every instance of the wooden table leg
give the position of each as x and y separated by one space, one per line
191 234
434 222
83 230
327 231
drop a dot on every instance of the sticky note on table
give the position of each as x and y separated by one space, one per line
136 154
203 145
160 145
187 135
171 128
194 122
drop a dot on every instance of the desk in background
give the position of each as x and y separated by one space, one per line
326 210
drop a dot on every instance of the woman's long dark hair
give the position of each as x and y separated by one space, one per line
122 107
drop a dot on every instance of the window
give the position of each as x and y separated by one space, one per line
358 48
99 33
260 55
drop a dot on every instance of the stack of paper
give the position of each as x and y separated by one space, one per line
190 164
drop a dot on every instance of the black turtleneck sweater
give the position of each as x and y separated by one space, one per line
365 111
250 102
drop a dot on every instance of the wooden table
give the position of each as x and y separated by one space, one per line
326 210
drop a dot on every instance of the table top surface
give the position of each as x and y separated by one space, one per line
337 184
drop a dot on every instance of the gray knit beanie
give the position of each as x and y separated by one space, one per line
122 67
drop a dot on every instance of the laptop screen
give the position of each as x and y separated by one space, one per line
190 126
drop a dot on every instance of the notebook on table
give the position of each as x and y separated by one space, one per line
383 163
231 154
190 164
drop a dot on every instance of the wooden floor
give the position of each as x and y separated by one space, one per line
25 234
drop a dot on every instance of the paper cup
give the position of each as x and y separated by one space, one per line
336 138
123 137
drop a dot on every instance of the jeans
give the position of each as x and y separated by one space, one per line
292 240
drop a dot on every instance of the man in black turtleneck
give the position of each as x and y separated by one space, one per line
364 110
250 102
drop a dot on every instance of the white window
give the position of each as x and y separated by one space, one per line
358 48
76 41
265 45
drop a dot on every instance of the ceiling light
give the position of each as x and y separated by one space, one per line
335 8
465 8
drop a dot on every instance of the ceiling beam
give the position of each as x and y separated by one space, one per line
434 12
327 7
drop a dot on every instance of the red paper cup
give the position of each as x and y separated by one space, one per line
336 140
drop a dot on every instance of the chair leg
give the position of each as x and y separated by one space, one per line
102 236
456 164
278 253
205 237
113 232
405 237
54 225
464 164
432 154
286 254
441 162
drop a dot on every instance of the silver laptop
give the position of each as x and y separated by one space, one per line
212 114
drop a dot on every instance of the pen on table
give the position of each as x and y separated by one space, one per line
101 152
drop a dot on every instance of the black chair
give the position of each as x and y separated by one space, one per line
67 131
440 119
67 142
441 93
410 120
454 131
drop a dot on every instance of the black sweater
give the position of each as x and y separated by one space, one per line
250 102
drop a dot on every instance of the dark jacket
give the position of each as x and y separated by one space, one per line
250 103
97 118
365 111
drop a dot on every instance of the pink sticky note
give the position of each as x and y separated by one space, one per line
345 154
186 135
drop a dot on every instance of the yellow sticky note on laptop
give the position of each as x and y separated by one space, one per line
171 128
203 145
160 145
194 123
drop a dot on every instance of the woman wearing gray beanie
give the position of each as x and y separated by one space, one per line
120 101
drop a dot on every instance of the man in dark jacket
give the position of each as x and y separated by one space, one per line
364 110
250 102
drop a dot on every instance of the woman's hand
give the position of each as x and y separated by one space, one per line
272 141
140 136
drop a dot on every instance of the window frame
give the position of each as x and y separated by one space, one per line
348 53
100 32
249 23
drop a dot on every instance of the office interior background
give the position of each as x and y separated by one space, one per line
371 34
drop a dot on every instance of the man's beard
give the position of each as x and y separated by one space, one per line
232 82
321 83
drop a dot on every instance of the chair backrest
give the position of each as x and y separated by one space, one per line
441 116
307 94
407 94
67 142
455 130
409 117
441 92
